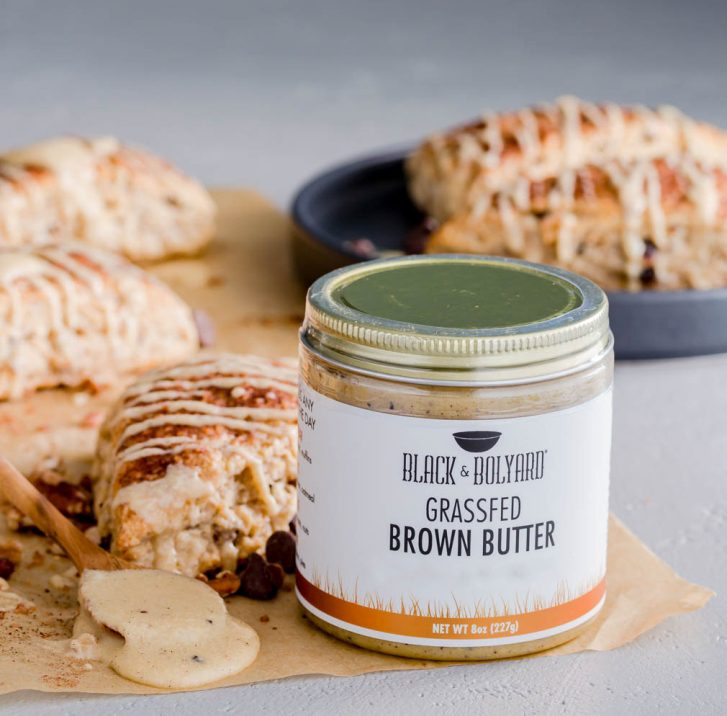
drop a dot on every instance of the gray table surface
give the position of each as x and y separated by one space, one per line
266 93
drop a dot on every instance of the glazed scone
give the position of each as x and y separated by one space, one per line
73 315
105 193
454 172
196 464
658 223
630 197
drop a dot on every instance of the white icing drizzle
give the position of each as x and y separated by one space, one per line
492 135
70 279
623 143
60 277
176 397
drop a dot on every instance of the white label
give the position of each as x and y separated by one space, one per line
452 532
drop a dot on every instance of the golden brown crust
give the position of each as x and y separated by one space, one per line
103 193
630 197
449 173
587 234
196 464
73 315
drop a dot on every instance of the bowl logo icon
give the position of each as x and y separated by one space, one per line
477 440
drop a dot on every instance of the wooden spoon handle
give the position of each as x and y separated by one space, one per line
25 497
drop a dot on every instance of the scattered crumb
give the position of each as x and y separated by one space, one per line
264 618
93 534
61 582
60 682
215 280
84 647
11 549
12 602
13 518
55 548
81 398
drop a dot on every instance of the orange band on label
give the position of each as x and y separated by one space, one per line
450 627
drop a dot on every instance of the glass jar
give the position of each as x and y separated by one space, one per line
455 434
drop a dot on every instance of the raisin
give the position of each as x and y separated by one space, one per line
649 248
280 549
7 567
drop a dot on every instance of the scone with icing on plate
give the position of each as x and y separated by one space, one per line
196 464
631 197
75 315
104 193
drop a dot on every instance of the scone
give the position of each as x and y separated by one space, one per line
73 315
454 172
649 224
196 465
632 198
104 193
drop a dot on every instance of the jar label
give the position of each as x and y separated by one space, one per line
452 532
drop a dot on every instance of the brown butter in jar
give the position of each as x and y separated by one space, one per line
455 422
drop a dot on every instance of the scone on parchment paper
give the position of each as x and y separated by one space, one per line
75 315
104 193
196 464
630 197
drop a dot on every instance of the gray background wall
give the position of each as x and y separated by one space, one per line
264 93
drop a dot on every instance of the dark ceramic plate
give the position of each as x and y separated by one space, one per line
344 213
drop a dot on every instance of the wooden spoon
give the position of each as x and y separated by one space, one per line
19 491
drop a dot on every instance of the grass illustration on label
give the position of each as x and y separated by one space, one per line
492 606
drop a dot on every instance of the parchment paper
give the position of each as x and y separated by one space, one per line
245 282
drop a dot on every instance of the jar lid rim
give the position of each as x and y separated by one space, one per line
572 336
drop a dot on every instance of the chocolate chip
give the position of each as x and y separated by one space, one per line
276 575
280 549
648 276
7 567
258 580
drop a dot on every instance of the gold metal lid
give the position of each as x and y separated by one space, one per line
457 319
